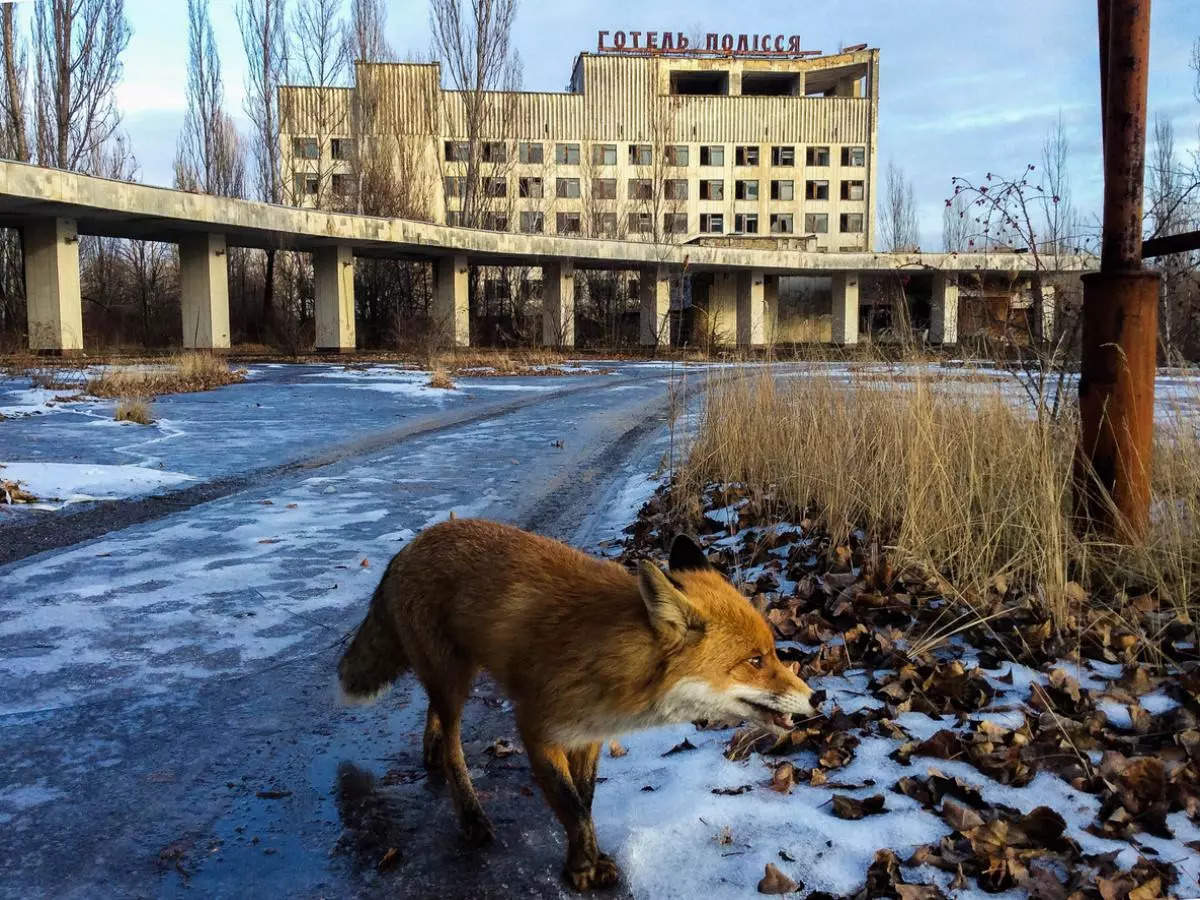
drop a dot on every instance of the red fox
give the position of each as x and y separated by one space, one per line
584 649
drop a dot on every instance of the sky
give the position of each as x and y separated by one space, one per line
966 86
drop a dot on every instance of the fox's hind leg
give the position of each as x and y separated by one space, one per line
431 746
446 701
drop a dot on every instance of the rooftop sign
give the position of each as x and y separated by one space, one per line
677 43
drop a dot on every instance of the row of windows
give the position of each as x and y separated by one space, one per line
308 184
308 148
643 188
566 154
673 223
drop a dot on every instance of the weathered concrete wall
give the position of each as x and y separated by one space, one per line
54 310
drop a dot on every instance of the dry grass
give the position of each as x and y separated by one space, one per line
133 409
499 362
970 487
440 378
183 373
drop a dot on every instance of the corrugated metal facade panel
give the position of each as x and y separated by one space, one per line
517 116
791 120
306 110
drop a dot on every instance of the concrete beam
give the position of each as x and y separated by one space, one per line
53 307
845 308
654 289
451 301
943 310
558 304
751 309
204 291
333 277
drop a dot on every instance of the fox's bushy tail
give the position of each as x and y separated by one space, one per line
375 657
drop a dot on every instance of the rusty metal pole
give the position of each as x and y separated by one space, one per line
1120 302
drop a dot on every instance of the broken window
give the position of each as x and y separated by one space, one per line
494 221
781 223
567 188
712 189
341 148
455 186
566 154
816 223
456 151
746 156
604 223
713 155
712 223
675 223
745 190
783 156
532 188
529 153
495 152
676 154
604 154
852 223
854 156
676 189
817 156
783 190
604 188
532 222
640 223
567 223
640 155
852 190
305 148
496 187
746 223
641 189
816 190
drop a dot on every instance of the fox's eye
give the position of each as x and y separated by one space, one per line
756 661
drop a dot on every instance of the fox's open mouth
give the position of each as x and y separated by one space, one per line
780 720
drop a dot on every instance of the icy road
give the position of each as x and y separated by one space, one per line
167 717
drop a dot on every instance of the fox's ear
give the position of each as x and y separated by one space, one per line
672 615
686 555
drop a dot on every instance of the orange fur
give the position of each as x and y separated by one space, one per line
584 649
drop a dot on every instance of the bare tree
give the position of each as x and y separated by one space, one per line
209 155
12 102
474 45
956 229
899 226
1173 206
264 39
1061 228
365 38
77 46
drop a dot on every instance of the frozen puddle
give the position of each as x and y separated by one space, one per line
57 484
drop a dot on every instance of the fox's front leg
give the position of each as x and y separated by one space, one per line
585 868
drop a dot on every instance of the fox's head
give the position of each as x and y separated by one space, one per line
720 653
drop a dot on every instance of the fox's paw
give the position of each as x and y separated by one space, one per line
478 830
603 873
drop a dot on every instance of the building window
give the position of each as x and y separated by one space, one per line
783 156
604 154
532 222
305 148
495 187
712 189
817 156
745 190
567 222
783 190
567 188
854 156
852 190
604 188
605 223
712 223
453 217
852 223
746 223
532 188
781 223
341 148
746 156
305 184
713 155
566 154
676 188
676 154
455 186
641 189
675 223
456 151
816 223
640 223
343 185
495 152
493 221
529 153
816 190
640 155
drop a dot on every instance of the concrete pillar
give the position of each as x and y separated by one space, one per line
721 315
53 308
845 308
654 288
751 326
333 279
204 291
943 309
771 308
558 304
451 306
1049 311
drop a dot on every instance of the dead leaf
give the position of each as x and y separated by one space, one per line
683 745
784 778
389 859
775 882
364 563
959 816
845 807
615 750
501 748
